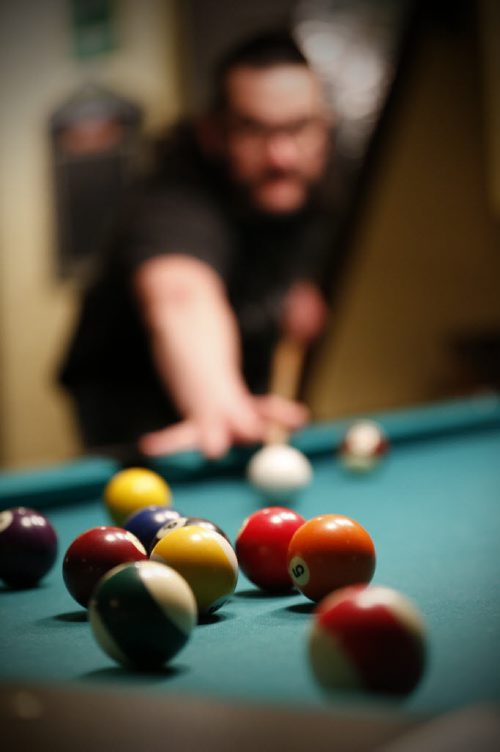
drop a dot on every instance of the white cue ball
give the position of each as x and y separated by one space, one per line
279 471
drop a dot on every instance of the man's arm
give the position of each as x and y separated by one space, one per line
195 343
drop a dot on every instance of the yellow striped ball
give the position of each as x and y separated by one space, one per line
206 561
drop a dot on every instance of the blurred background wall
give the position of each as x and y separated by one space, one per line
419 315
420 305
39 70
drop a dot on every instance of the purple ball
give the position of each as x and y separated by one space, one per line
28 546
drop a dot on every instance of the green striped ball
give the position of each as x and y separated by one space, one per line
142 614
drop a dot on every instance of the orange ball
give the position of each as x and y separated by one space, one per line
329 552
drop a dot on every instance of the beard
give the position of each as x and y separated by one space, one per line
277 192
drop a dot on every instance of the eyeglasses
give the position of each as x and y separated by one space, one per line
255 133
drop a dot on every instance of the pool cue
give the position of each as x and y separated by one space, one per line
286 372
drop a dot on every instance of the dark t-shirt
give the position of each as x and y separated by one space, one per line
190 207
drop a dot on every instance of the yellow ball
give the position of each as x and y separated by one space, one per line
205 559
133 489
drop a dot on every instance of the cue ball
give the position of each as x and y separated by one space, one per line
132 489
329 552
28 546
142 614
363 446
370 638
95 552
262 546
206 561
279 471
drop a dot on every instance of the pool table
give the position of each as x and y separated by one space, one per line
432 508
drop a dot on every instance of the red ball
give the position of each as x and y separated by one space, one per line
329 552
363 446
368 637
262 546
94 553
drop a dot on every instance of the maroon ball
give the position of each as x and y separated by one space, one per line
94 553
28 546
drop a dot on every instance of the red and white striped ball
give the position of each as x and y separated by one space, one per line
370 638
363 446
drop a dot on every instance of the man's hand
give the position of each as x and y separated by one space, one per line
195 343
245 420
304 313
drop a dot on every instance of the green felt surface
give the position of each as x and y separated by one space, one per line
433 510
84 477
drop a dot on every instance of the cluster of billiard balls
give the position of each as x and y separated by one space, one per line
147 579
142 610
362 636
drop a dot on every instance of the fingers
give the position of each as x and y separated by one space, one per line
213 435
215 439
177 438
246 421
208 437
240 424
276 409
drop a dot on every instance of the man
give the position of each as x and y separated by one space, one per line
222 253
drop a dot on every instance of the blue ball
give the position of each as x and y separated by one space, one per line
145 523
183 521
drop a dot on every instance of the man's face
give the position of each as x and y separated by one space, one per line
276 134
